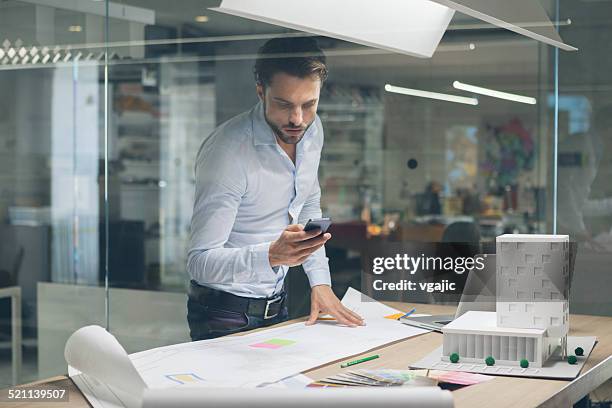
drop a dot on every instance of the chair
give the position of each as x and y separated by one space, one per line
10 277
460 239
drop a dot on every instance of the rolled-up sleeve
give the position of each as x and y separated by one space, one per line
316 265
221 182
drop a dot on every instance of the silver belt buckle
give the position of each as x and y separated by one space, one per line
268 303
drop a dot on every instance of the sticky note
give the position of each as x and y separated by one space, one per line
273 344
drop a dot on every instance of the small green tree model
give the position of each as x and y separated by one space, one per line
572 359
524 363
490 361
579 351
454 357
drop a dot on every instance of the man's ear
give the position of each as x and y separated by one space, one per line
260 91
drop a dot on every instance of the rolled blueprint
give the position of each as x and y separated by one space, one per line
353 397
97 353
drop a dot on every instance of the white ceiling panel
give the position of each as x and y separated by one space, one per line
412 27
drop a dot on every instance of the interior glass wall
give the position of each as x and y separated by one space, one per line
585 151
51 164
394 169
97 159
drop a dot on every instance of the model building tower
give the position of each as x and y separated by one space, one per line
532 279
531 318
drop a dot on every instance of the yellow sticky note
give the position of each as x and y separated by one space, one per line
394 316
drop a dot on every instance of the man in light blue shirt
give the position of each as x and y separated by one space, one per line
256 187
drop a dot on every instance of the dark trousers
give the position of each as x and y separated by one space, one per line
208 322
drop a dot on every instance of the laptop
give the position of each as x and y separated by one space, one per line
478 295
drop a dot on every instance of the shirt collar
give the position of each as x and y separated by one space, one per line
263 134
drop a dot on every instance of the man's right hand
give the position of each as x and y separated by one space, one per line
295 245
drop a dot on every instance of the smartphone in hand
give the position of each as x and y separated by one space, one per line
318 223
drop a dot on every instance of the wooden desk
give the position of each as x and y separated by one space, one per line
511 392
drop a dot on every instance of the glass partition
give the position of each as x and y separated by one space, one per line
107 104
394 169
585 152
51 199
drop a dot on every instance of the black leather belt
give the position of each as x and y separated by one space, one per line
266 308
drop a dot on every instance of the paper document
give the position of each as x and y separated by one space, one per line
270 355
93 350
292 382
238 361
99 394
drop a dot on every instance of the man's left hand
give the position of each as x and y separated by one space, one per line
323 300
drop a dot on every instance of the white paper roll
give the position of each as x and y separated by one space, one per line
353 397
94 351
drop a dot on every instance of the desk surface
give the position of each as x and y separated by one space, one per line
511 392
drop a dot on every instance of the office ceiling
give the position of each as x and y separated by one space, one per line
185 11
497 54
490 45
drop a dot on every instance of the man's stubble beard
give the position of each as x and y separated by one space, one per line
279 132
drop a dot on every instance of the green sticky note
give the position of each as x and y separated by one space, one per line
280 342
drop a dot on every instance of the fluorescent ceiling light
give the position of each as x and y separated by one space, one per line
431 95
511 15
494 94
413 27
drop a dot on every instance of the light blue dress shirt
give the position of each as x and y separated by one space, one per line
247 191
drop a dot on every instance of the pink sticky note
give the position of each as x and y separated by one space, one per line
266 345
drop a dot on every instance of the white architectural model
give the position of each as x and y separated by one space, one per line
531 318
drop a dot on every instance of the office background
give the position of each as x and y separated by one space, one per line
98 136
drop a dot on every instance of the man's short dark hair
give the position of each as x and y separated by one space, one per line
297 56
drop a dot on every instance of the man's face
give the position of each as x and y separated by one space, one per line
290 105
